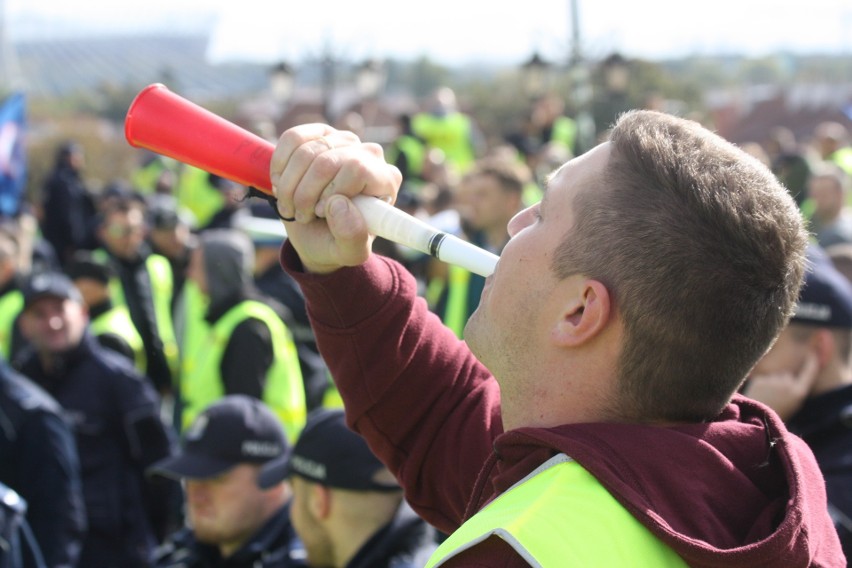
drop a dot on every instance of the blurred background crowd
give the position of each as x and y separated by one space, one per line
180 300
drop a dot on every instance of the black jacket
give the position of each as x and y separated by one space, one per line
274 546
38 460
114 413
825 423
405 542
69 214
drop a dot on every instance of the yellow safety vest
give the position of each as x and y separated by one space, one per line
564 132
117 320
144 178
843 159
11 304
160 275
560 516
195 326
451 133
195 194
456 311
284 391
414 150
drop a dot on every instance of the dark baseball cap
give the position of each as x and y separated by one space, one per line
329 453
86 264
826 296
49 285
164 212
236 429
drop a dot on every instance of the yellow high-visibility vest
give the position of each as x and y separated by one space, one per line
162 287
284 391
560 516
11 304
117 320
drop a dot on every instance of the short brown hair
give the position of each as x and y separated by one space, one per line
703 251
510 176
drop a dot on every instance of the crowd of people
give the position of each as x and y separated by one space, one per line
174 378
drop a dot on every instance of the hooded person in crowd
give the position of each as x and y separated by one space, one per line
243 345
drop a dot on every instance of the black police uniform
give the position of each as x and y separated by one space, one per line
275 545
114 413
825 423
38 459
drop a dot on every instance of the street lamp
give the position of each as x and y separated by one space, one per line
369 78
536 73
282 80
614 78
616 74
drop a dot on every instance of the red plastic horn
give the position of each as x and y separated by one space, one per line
168 124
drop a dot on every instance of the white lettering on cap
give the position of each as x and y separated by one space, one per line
197 428
256 448
307 467
816 312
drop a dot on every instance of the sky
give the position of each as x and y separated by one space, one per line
453 31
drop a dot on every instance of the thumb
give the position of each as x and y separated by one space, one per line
349 230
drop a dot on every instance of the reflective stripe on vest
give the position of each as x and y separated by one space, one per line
11 305
160 277
560 516
283 392
117 320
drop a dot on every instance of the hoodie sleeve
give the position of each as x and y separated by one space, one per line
425 404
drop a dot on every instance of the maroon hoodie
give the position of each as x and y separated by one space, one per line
736 492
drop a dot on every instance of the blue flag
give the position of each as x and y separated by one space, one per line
13 158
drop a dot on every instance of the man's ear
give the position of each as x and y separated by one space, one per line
584 316
825 346
320 502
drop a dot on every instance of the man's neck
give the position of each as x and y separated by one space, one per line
832 379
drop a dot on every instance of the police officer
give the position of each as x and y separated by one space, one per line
232 522
40 471
247 348
114 413
348 509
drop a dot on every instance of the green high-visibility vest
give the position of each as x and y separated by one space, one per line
11 304
284 391
196 195
457 287
450 133
117 320
560 516
194 325
456 313
414 150
843 159
162 287
564 132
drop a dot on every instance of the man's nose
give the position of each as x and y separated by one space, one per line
519 221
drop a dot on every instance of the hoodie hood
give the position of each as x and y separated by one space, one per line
228 263
740 491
